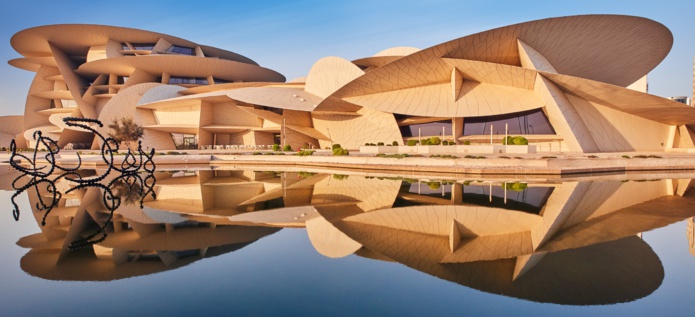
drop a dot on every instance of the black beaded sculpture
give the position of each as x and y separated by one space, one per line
130 182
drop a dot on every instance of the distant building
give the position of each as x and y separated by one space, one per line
682 99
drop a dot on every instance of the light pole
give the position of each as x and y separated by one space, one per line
284 132
329 137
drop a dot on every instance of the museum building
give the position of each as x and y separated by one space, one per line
570 84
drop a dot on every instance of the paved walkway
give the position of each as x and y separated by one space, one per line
537 163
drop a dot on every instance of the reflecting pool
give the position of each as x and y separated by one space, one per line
288 241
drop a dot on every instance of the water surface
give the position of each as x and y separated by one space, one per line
260 241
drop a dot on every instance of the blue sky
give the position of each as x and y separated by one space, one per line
289 36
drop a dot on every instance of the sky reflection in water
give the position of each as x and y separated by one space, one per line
222 241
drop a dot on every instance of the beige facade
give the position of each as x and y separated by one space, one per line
571 84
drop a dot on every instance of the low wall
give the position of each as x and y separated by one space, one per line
449 149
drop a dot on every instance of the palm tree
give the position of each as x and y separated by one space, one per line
126 131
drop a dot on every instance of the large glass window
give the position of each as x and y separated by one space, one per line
525 199
188 80
175 49
271 109
143 46
185 141
525 122
427 129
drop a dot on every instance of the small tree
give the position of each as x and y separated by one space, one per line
126 130
129 191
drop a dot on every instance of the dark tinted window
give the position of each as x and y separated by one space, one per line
525 122
175 49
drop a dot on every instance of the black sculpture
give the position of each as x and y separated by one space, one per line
39 173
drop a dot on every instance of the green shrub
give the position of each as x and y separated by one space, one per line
394 143
445 142
398 156
339 151
306 152
305 174
173 153
444 156
520 140
336 146
340 177
625 156
425 142
412 142
380 144
287 148
592 156
434 185
435 140
515 140
517 187
276 147
466 142
257 153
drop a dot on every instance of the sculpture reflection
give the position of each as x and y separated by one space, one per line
567 242
135 246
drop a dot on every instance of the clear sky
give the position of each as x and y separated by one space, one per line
289 36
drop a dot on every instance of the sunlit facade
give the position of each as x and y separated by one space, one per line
571 84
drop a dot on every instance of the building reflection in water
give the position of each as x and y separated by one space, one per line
690 232
568 242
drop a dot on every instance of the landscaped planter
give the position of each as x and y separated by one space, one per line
449 149
518 149
476 149
379 149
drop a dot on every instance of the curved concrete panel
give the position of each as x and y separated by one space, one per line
329 74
